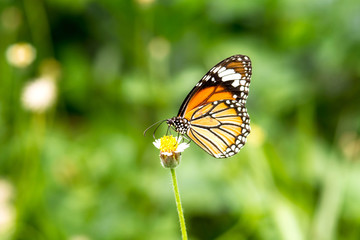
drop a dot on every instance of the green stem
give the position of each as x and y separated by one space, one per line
178 205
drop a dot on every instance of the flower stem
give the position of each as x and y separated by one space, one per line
178 205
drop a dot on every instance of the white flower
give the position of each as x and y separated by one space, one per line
20 54
39 95
168 144
170 150
7 220
7 210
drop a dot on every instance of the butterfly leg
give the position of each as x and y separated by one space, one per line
185 137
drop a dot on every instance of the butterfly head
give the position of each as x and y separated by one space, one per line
180 124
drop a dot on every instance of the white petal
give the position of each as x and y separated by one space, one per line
182 147
178 139
166 153
157 143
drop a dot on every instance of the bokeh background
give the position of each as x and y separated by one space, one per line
80 81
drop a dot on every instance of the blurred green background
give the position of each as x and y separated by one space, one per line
80 80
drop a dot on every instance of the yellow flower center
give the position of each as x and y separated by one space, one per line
168 144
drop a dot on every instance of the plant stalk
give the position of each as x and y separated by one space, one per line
178 205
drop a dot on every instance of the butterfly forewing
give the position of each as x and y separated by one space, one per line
229 79
215 108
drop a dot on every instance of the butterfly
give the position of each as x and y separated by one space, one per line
214 115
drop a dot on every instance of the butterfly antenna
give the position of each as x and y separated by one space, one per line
157 128
158 122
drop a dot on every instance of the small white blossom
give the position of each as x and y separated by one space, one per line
7 210
179 148
170 150
20 55
39 95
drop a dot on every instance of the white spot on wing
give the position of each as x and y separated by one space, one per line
222 69
226 72
232 77
207 77
214 70
236 83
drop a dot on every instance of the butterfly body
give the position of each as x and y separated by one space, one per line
180 124
214 115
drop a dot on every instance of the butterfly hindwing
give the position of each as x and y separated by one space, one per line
220 127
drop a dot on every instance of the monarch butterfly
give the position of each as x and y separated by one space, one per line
214 115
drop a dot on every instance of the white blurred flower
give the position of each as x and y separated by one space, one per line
20 54
7 210
39 95
7 220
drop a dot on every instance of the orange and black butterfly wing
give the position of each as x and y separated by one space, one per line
215 108
229 79
220 127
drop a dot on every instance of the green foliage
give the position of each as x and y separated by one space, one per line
81 169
